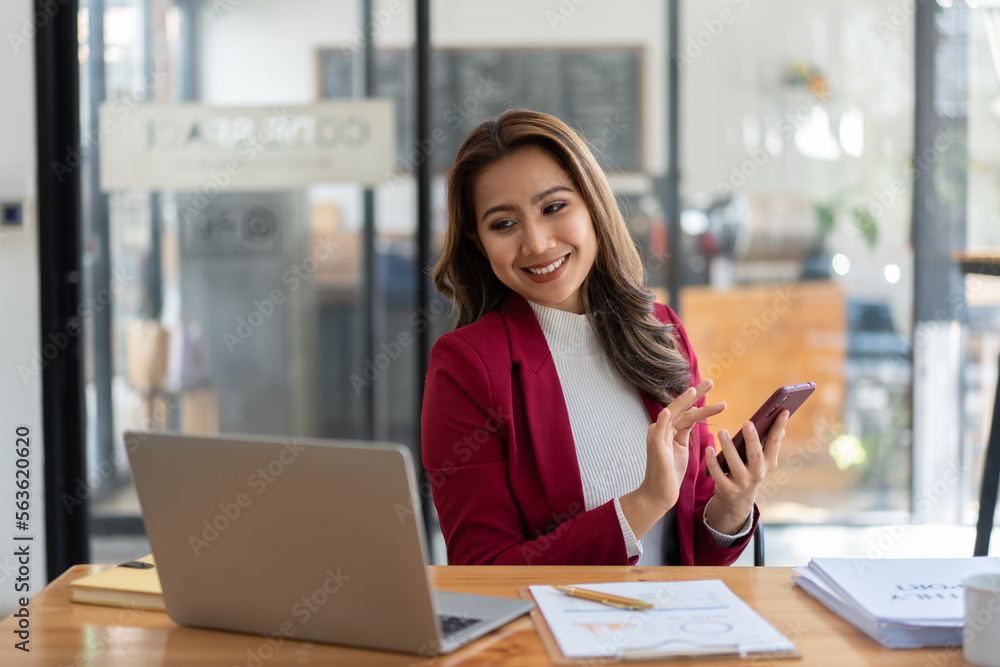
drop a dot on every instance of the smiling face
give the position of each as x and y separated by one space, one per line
535 228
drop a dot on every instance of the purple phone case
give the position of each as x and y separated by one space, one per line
789 397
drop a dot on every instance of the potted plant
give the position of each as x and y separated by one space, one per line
828 213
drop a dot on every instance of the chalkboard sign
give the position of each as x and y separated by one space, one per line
596 91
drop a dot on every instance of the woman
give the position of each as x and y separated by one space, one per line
544 430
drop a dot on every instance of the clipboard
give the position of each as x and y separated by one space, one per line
548 640
557 657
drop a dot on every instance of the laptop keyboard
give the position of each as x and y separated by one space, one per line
452 624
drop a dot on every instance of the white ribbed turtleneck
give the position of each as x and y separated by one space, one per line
608 420
609 424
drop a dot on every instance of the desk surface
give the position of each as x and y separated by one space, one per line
64 633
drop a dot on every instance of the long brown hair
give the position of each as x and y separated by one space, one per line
615 299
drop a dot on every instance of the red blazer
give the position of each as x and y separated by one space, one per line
502 464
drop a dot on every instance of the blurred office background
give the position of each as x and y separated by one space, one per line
797 254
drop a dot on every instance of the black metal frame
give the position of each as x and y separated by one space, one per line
57 104
425 287
671 195
758 544
991 466
939 226
372 328
991 480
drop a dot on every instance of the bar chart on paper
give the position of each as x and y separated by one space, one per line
688 617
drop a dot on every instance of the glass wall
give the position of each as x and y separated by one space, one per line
231 307
797 239
236 303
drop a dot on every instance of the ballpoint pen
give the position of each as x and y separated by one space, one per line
604 598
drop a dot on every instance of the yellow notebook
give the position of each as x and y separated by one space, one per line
121 587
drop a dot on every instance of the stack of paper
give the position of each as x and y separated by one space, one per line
898 602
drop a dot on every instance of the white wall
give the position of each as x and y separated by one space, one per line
20 399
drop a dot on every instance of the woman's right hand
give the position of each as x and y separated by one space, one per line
667 453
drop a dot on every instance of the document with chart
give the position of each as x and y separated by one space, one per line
688 619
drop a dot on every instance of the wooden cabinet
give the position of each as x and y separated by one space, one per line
751 340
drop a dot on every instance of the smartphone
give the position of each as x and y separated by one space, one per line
789 397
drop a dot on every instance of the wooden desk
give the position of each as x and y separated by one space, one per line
64 633
752 338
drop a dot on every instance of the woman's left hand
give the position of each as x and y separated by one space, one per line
735 492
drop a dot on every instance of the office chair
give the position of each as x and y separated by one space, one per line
758 544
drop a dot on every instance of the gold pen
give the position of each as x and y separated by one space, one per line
604 598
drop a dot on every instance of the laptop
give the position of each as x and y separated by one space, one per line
299 538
